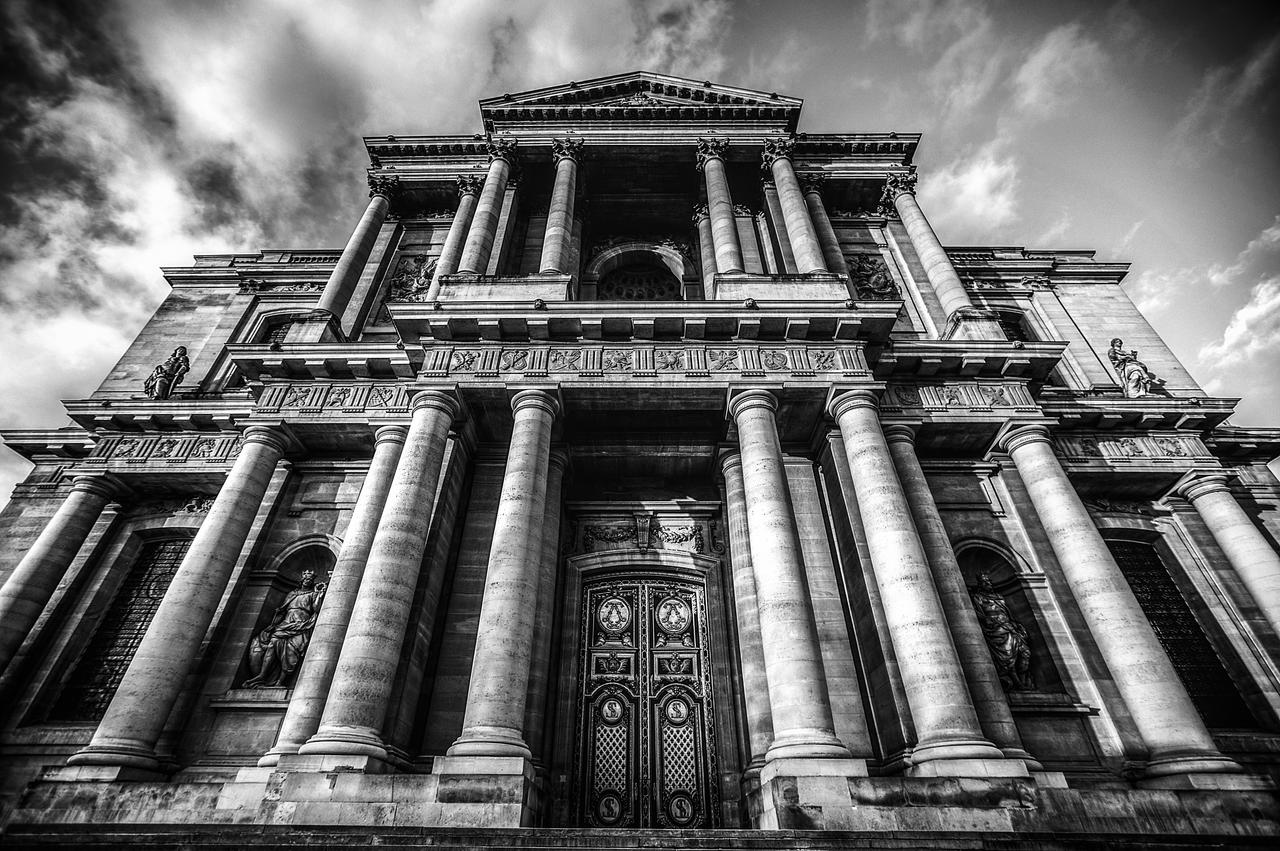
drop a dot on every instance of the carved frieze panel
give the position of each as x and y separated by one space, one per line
353 397
195 504
161 449
1134 447
697 360
958 395
640 530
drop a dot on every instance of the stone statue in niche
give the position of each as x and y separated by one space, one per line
276 651
871 278
1134 376
166 376
1007 639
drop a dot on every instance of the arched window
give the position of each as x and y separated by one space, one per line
1198 665
639 282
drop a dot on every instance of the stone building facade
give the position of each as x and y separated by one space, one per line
643 463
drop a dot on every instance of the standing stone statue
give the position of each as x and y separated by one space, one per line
166 376
1007 639
1134 376
274 653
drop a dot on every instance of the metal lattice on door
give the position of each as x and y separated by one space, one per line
646 756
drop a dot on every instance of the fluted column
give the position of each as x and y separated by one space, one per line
557 241
812 187
724 226
494 720
1249 552
356 706
947 726
311 688
27 590
795 213
132 725
1176 737
535 719
469 186
798 699
989 700
484 224
346 272
755 685
964 320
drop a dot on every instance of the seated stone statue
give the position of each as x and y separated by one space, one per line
1135 378
166 376
1007 639
276 651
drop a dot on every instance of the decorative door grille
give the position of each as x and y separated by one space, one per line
97 675
647 749
1198 666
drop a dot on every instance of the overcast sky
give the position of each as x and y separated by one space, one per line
133 135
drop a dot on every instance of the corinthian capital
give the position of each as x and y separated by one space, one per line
776 149
470 184
895 185
711 149
812 183
386 185
566 148
502 148
700 212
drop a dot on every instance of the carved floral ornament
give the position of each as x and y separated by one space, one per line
777 149
566 149
502 148
470 184
644 531
711 149
386 185
895 185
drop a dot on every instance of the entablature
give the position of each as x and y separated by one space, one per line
211 414
325 360
51 443
1195 413
968 358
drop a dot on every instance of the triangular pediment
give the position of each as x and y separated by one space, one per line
639 91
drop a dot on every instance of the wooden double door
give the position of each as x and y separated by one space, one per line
646 750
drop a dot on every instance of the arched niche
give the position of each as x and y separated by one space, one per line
639 271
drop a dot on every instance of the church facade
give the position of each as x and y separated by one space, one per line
643 463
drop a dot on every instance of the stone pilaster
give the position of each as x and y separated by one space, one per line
451 252
949 738
1176 738
989 699
28 589
964 320
494 721
356 706
724 227
128 733
484 224
755 685
557 242
798 699
795 212
1249 552
811 185
311 688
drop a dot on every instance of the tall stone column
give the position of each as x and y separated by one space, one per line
964 320
989 700
798 699
755 685
706 250
132 725
484 224
311 688
363 677
557 241
469 186
1249 552
494 721
346 273
28 589
1176 738
947 726
831 253
535 718
795 212
724 227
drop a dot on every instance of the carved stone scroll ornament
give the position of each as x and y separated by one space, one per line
168 375
871 278
1135 379
607 535
276 651
1007 639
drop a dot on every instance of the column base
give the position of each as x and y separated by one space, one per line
491 741
120 753
487 791
806 744
794 793
325 762
272 757
345 741
1175 772
975 758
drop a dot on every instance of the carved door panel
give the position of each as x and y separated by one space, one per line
646 751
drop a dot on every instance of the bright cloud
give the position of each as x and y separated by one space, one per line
971 198
1058 68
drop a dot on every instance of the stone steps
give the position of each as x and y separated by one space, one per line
545 839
